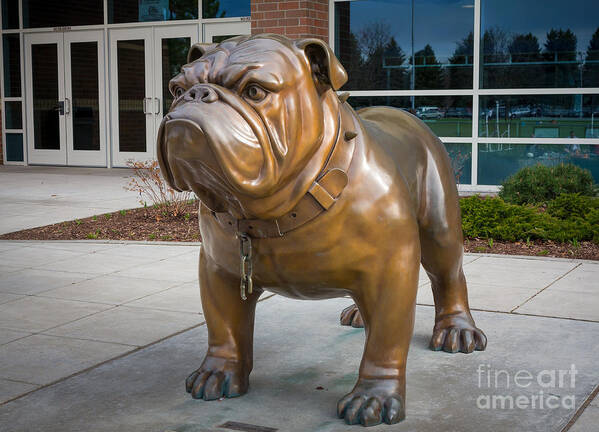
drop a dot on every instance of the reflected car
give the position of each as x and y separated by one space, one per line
519 112
429 113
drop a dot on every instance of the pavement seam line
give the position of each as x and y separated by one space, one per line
581 410
553 282
114 358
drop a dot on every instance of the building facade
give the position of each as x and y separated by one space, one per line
504 83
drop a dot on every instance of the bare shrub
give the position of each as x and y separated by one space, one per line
147 181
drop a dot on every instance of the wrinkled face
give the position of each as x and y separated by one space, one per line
247 116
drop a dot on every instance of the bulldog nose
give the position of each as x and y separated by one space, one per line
201 93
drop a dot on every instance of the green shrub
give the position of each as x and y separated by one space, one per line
496 219
567 206
541 184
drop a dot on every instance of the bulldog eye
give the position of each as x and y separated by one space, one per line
255 93
179 92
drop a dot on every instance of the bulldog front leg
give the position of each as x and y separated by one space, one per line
230 320
388 313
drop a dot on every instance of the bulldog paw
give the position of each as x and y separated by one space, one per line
350 316
372 402
457 332
216 379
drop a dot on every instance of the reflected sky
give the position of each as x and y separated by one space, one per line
443 23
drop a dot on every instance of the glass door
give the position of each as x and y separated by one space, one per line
217 32
171 45
45 99
142 63
85 109
65 98
132 112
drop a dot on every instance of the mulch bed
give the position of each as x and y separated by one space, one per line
136 224
154 224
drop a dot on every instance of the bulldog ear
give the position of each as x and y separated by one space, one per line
326 69
198 50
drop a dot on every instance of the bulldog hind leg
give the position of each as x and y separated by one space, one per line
350 316
230 320
442 255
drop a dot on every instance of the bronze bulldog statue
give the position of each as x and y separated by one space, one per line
304 197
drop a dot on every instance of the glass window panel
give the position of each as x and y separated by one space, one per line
225 8
132 91
44 67
461 161
14 147
10 14
174 55
44 13
539 44
449 116
377 39
539 116
496 162
125 11
13 115
85 93
12 65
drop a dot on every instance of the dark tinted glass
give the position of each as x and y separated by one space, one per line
124 11
14 147
379 41
225 8
449 116
550 43
86 107
132 91
10 14
496 162
44 67
13 115
44 13
12 65
539 116
174 55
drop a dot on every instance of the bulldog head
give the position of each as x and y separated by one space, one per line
252 123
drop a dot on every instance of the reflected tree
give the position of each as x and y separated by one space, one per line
524 48
210 9
456 74
591 68
560 54
495 54
429 74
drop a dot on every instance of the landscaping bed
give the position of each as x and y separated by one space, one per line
540 211
153 224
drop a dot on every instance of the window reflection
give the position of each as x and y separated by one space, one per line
225 8
125 11
539 116
496 162
539 44
44 13
405 44
449 116
12 65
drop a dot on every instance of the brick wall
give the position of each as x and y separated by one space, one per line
294 19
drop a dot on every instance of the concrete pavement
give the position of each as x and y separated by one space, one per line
86 328
37 196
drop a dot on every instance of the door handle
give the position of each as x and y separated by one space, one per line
145 105
59 107
67 106
157 100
